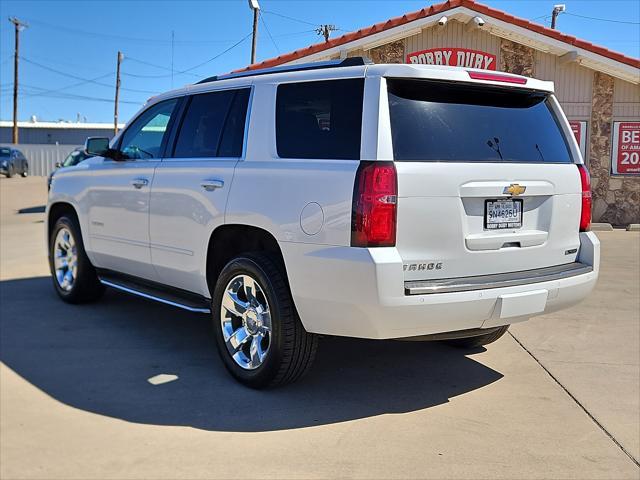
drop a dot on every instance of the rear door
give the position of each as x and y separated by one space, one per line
192 183
486 179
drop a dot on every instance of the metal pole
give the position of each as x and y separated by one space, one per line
18 25
254 42
115 108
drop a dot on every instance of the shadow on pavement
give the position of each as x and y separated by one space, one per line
98 358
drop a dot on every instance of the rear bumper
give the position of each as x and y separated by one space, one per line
360 292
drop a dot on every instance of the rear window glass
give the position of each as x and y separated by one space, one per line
437 121
320 119
5 152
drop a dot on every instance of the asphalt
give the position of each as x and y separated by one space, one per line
125 388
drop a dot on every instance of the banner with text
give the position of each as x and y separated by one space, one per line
579 129
454 57
625 157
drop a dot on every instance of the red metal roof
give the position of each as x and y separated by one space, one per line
439 8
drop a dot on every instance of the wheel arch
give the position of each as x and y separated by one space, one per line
55 211
230 240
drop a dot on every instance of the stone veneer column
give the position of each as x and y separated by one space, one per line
390 53
600 126
516 58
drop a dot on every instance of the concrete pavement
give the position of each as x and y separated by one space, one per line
75 401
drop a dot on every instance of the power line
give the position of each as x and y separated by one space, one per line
289 18
602 19
55 90
269 33
143 62
120 37
134 90
216 56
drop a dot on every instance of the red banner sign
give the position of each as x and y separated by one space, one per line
454 57
626 148
579 130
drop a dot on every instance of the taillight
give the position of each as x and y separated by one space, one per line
375 197
585 213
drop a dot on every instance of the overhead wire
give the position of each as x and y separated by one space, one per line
59 72
601 19
269 33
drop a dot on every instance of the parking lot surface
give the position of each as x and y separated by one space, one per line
557 398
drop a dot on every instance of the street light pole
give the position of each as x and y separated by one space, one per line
253 5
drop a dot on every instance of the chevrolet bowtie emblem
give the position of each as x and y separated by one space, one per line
514 190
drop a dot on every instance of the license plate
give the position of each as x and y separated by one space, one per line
500 214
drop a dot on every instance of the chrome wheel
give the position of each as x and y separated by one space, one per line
246 322
65 259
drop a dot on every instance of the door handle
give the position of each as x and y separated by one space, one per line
139 182
211 185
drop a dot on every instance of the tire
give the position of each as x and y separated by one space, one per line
11 171
84 286
288 348
25 171
479 340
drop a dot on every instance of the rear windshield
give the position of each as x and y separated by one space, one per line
455 122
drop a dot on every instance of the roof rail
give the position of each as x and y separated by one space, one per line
347 62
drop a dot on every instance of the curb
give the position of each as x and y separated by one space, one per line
633 227
601 227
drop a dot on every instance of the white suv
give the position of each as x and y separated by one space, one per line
340 198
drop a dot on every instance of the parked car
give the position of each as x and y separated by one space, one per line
340 198
75 157
13 162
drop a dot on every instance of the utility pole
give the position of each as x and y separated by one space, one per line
115 108
325 31
18 26
557 10
253 5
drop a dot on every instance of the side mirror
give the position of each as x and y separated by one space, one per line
96 146
58 164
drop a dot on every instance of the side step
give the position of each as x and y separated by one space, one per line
155 291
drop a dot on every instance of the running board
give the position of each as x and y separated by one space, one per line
156 292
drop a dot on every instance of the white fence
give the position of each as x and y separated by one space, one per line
42 158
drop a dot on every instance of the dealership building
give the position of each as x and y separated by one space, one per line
598 89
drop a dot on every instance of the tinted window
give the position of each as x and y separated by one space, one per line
435 121
213 125
320 119
144 137
5 152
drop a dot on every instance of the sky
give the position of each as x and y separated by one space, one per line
69 50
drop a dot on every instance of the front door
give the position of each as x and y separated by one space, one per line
119 195
191 186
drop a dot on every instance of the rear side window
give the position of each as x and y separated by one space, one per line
437 121
320 119
213 125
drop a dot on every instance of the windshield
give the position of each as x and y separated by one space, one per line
74 158
438 121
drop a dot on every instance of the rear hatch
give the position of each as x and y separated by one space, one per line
486 180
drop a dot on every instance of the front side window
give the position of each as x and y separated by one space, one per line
320 119
449 122
143 138
213 125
